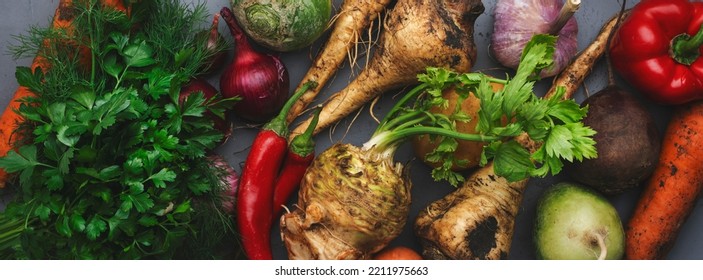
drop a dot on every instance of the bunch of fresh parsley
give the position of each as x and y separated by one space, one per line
112 166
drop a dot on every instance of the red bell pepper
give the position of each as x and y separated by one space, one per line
256 185
657 50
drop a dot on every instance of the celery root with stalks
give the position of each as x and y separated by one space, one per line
353 17
354 200
417 34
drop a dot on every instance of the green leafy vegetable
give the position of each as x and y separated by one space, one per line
109 171
553 122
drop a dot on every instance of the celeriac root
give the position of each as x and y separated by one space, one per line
417 34
352 202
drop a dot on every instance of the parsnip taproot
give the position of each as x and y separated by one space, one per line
417 34
571 78
353 17
477 220
474 222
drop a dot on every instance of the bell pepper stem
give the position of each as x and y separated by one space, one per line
685 48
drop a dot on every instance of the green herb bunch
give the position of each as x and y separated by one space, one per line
114 165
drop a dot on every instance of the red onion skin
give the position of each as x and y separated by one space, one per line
260 79
513 29
196 85
231 182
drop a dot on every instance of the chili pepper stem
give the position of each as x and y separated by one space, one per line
567 12
685 49
278 124
302 144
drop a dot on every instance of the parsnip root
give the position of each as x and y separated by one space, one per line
354 16
417 34
474 222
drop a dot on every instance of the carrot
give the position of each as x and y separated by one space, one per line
477 220
9 120
417 34
353 17
672 190
397 253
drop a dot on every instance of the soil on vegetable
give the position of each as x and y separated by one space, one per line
482 238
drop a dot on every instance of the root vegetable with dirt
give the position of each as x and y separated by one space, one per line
354 200
349 24
477 220
417 34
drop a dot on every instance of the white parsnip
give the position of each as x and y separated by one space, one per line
353 17
417 34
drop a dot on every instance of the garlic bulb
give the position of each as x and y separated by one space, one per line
516 21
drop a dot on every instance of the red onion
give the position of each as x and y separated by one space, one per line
260 79
209 92
230 181
516 21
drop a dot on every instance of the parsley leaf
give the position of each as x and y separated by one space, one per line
107 171
24 158
95 227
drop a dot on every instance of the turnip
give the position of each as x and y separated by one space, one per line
575 222
354 200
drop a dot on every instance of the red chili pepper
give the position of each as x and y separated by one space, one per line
256 187
301 153
657 50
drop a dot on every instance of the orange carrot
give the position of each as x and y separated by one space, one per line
9 120
397 253
672 190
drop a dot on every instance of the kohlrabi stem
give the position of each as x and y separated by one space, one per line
603 248
567 12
